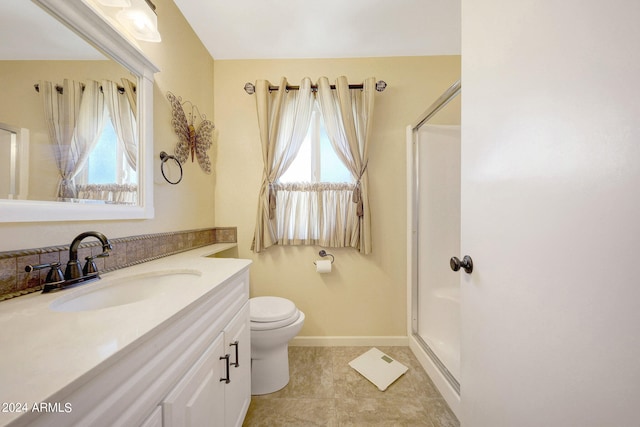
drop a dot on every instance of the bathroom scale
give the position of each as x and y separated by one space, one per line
378 368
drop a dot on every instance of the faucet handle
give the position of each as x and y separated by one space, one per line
55 274
54 277
90 266
29 268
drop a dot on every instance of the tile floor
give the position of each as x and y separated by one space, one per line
325 391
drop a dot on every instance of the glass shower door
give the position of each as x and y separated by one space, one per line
438 305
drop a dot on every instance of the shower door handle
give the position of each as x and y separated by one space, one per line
466 264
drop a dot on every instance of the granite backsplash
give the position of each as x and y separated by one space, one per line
127 251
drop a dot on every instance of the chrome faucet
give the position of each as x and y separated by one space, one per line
73 270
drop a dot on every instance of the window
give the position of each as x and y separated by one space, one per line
315 201
316 161
314 196
107 175
107 162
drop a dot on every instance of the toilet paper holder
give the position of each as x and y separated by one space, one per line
323 254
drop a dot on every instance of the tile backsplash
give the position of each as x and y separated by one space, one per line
127 251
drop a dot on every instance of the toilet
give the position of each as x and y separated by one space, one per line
274 322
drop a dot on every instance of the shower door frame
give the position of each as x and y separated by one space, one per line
447 384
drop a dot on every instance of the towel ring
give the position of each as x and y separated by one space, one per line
163 158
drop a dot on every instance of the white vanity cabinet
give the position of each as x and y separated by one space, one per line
217 389
238 345
170 375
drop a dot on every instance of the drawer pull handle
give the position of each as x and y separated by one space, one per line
227 380
237 362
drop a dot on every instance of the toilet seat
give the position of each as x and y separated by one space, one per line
271 313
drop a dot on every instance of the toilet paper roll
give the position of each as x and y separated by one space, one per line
323 266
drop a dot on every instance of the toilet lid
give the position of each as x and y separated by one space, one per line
270 326
271 309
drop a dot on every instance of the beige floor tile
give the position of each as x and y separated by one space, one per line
325 391
286 412
311 373
385 412
440 414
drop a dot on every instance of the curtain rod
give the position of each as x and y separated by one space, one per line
59 88
250 88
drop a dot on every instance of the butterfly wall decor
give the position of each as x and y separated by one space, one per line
193 138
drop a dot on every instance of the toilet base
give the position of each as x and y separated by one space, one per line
269 370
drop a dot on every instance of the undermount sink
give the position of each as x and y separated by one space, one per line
123 291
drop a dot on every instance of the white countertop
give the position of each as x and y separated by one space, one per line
43 351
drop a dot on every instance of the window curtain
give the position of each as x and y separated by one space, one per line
130 91
124 194
347 117
283 120
316 214
123 119
74 121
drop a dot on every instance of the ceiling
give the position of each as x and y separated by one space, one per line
27 33
252 29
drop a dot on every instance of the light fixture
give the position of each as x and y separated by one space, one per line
140 20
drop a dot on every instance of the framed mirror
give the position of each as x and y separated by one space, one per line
76 115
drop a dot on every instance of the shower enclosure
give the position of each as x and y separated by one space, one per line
433 182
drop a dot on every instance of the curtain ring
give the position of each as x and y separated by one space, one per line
163 158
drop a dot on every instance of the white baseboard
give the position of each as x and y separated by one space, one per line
307 341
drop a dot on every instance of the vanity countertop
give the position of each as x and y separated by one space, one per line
42 351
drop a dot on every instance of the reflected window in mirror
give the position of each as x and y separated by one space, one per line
108 176
76 42
93 137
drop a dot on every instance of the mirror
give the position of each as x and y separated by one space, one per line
48 175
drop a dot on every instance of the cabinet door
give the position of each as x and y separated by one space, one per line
198 399
237 336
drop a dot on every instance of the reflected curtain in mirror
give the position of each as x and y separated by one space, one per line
61 109
75 114
123 119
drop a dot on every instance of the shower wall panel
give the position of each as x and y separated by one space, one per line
438 240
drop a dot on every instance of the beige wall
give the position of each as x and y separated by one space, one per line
364 295
186 69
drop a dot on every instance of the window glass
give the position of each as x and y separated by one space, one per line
316 161
331 167
102 167
300 169
107 162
